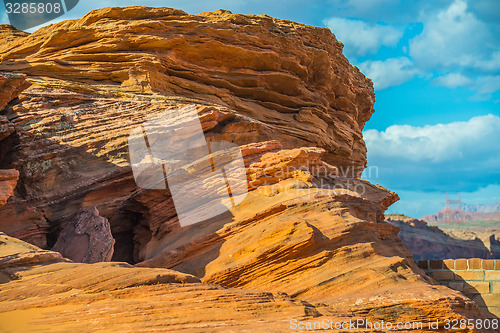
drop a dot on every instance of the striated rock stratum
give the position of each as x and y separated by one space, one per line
275 72
70 297
309 241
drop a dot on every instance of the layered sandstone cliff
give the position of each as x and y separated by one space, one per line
284 92
276 72
10 87
270 79
71 297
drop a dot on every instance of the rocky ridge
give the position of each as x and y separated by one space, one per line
73 297
274 71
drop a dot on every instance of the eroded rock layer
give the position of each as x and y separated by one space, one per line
309 233
71 297
291 77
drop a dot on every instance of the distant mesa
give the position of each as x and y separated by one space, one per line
455 211
303 244
428 242
458 230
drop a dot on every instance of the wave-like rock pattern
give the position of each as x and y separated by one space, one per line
71 297
275 71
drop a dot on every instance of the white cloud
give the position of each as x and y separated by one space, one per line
457 141
388 73
459 42
456 157
452 80
483 85
454 37
487 84
490 64
361 38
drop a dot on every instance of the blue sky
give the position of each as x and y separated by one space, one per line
435 65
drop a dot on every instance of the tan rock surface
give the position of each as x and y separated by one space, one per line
73 124
73 297
8 33
319 241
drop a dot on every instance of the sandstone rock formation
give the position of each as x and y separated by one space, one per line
11 86
272 79
15 254
309 226
308 233
274 71
49 294
116 296
87 238
8 33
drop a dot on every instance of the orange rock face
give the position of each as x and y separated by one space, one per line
309 226
119 297
311 234
277 72
116 296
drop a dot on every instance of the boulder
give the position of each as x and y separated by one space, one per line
86 238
